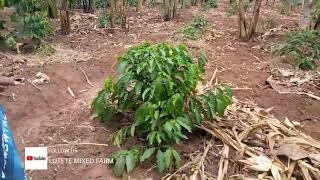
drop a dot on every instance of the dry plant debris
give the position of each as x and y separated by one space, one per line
63 54
266 148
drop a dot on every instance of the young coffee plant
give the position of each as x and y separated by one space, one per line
304 46
195 29
11 42
101 4
190 32
157 89
132 3
210 4
199 22
104 20
32 20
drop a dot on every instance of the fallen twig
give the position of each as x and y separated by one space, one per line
256 58
223 164
302 93
71 92
203 158
85 75
244 88
186 165
209 84
115 62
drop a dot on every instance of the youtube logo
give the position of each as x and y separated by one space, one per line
29 158
36 158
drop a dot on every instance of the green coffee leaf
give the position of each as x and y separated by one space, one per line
161 163
168 158
119 166
122 67
130 162
220 107
185 123
177 157
147 154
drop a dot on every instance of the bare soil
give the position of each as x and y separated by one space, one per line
51 116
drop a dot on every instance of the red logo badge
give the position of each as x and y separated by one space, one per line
29 158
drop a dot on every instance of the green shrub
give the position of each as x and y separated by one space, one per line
32 20
2 4
304 46
35 26
101 3
190 32
132 3
199 22
211 4
157 88
11 42
195 29
104 20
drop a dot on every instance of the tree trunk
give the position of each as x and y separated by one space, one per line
89 6
166 10
175 9
305 22
53 12
92 6
112 13
317 24
193 2
170 7
64 17
124 7
139 5
79 4
242 23
254 22
85 6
